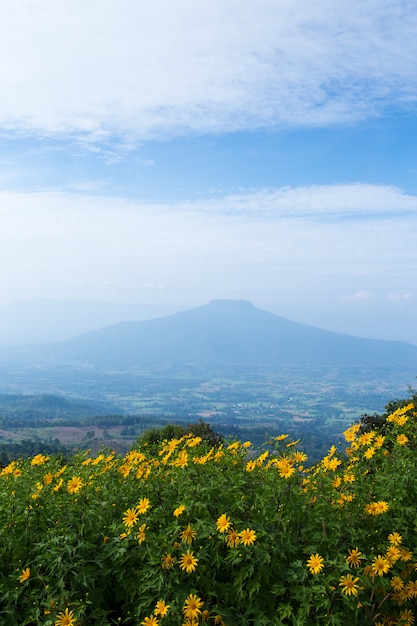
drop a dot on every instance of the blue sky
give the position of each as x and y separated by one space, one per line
174 152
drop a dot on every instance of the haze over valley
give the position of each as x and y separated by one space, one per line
206 211
248 371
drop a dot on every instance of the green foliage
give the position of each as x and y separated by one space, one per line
179 532
27 448
171 431
378 421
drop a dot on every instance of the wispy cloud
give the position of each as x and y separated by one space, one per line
160 68
359 296
318 202
401 298
50 241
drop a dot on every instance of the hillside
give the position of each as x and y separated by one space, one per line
215 530
223 332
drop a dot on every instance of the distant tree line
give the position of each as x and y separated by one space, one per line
28 448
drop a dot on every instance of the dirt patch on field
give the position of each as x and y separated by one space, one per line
72 434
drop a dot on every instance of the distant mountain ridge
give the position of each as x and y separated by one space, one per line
225 332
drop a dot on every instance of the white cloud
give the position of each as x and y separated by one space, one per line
322 201
359 296
139 69
401 298
50 241
154 286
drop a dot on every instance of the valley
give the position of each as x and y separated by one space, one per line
87 407
248 373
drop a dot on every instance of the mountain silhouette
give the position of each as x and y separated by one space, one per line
226 332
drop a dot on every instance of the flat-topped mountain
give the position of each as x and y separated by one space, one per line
225 332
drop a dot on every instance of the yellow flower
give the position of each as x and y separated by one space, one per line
179 510
392 554
223 523
169 446
293 443
167 561
315 563
262 458
125 470
98 459
247 537
379 440
395 538
407 617
150 621
130 517
192 607
161 608
250 466
406 555
354 558
201 460
380 565
188 535
369 452
368 571
74 485
232 538
39 459
66 618
47 479
366 438
58 485
24 575
397 583
402 420
350 433
181 460
334 463
8 469
143 505
376 508
285 467
194 441
402 439
349 585
411 589
281 437
299 457
188 562
399 417
141 535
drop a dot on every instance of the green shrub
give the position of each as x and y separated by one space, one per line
199 534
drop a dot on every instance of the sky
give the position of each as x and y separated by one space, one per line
170 152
